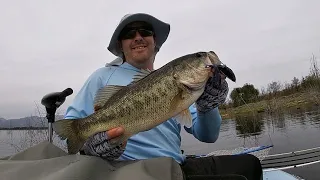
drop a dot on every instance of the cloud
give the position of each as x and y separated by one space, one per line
48 46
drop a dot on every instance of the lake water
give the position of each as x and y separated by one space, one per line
297 130
287 132
292 131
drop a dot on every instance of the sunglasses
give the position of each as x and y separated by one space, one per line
131 33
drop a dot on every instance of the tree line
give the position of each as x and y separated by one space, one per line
250 94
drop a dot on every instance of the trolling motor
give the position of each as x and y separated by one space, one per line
52 102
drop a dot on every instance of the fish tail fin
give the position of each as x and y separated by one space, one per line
65 129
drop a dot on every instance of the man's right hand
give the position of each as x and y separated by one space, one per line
98 145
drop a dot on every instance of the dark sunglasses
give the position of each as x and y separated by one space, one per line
131 33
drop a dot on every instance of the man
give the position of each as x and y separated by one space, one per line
136 41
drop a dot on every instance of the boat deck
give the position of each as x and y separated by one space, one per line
292 159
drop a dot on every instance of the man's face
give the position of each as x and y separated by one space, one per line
138 43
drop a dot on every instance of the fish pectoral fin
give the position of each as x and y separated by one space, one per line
185 118
104 94
184 88
65 129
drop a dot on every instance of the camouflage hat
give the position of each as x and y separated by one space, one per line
161 30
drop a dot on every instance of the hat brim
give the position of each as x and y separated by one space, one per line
161 29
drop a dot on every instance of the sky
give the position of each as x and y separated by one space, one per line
47 46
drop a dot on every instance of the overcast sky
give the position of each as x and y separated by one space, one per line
47 46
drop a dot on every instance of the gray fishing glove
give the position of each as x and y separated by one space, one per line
98 145
215 92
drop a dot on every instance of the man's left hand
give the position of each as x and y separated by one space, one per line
215 92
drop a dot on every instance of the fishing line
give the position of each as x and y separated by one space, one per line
254 120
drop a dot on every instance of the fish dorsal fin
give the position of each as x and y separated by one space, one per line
140 75
104 94
184 117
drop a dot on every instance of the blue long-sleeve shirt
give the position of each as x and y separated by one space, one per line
163 140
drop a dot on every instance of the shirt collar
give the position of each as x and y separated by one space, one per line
119 62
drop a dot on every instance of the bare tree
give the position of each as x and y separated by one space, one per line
295 82
263 91
20 140
287 85
314 69
274 87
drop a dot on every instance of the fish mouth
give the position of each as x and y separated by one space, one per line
214 59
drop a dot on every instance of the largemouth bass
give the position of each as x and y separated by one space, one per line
151 99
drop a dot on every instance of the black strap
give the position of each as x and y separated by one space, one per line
218 164
240 167
194 166
217 177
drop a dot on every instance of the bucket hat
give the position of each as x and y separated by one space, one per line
161 30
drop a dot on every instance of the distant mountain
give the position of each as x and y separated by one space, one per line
32 121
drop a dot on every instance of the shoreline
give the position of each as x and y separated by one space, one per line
299 100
